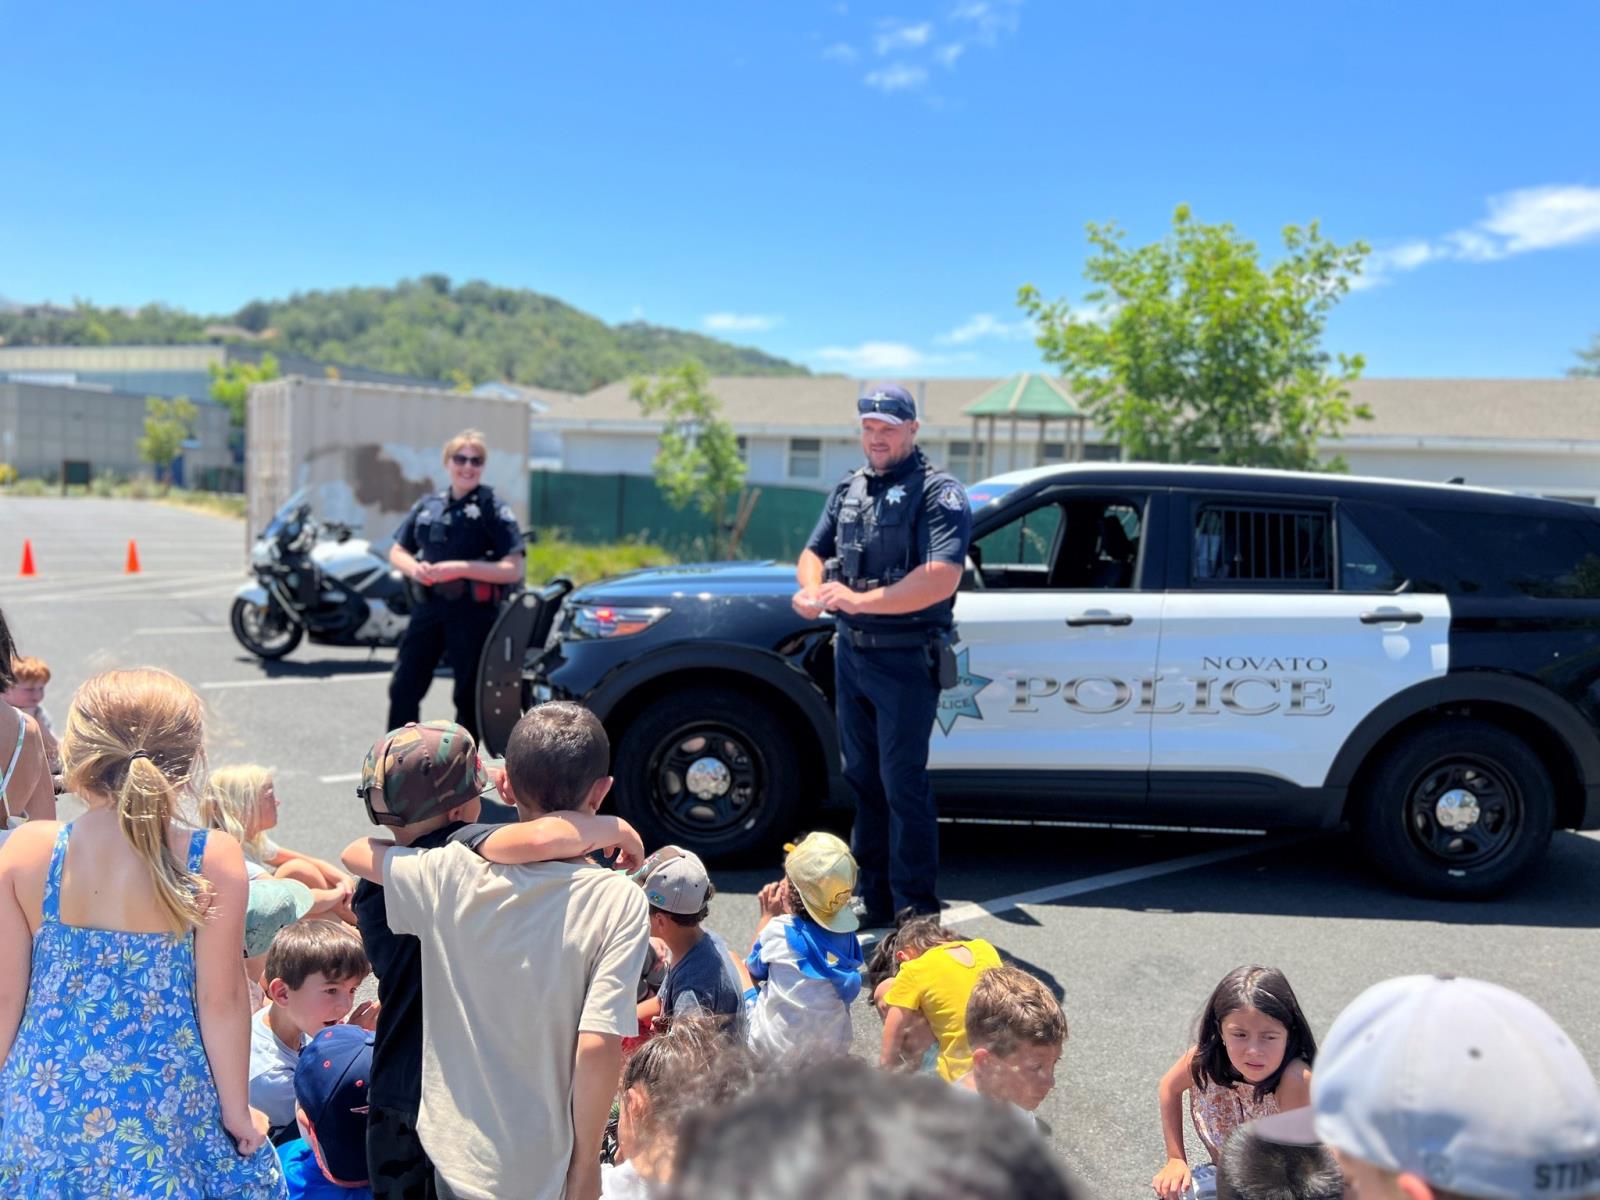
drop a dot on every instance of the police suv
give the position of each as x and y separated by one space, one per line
1200 647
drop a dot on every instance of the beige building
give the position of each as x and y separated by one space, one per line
1532 435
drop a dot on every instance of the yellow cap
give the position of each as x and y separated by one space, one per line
824 873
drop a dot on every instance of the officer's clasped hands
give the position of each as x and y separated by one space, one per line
806 603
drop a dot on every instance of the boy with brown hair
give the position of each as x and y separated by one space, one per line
26 695
1015 1029
512 1105
313 970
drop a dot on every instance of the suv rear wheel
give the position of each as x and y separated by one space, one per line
1458 809
713 771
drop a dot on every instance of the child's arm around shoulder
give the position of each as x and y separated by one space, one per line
561 835
1294 1088
364 858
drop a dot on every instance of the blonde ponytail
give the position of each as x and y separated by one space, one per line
135 737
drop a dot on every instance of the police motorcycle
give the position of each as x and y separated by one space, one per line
317 579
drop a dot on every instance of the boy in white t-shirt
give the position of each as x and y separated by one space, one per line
529 978
806 961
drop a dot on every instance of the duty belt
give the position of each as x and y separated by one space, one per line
867 639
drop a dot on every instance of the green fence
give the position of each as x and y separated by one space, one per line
611 508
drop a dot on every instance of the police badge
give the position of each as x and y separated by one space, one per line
952 498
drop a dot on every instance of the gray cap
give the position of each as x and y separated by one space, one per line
1464 1083
273 904
675 879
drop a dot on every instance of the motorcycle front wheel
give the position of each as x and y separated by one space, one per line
263 629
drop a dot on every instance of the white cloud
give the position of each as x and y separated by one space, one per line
1528 219
989 19
897 77
947 55
728 322
841 52
896 36
986 325
872 358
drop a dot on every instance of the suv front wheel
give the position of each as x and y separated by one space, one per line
1457 809
712 771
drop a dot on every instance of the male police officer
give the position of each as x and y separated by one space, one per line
887 557
462 547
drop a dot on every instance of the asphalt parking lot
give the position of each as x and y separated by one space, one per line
1133 929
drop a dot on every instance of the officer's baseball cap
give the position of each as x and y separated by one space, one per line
1464 1083
824 873
420 771
674 879
886 402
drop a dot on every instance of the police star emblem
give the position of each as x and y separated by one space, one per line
895 494
472 510
962 700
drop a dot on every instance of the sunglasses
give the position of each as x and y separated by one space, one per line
467 460
892 405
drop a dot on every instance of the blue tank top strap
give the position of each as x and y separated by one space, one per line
197 850
51 907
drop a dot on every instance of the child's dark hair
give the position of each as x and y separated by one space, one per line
690 1065
300 950
1267 991
912 931
8 652
555 754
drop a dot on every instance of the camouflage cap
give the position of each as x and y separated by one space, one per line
420 771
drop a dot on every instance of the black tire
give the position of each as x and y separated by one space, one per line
1415 813
749 774
246 623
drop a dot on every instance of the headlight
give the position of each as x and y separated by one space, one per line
612 621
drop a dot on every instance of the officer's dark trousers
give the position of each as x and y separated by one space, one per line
455 630
886 702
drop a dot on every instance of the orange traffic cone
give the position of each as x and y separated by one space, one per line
27 560
133 559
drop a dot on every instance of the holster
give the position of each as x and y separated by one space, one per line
944 660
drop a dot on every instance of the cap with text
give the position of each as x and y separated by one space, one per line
887 402
823 871
674 880
1466 1084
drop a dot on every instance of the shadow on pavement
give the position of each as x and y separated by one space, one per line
284 669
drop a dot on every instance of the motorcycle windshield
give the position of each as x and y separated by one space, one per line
290 511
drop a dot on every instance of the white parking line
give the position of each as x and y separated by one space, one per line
170 630
285 681
1095 883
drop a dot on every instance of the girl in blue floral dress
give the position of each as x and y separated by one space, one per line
123 1019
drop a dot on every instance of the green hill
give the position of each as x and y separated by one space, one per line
424 326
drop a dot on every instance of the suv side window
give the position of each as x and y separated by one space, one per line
1083 544
1550 558
1362 566
1253 545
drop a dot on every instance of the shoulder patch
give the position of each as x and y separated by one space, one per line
952 497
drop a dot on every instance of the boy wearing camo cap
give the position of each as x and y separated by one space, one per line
426 784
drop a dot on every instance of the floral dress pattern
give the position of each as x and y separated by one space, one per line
107 1092
1218 1109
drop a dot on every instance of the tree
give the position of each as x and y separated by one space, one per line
1195 351
698 463
1588 362
167 425
230 385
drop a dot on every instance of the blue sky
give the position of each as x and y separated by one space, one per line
857 186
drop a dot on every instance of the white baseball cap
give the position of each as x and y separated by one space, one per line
1464 1083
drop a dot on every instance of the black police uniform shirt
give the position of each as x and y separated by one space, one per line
475 528
941 529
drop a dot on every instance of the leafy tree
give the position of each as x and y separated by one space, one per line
167 425
1588 362
698 463
230 385
1196 351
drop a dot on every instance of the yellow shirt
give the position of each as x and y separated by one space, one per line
938 984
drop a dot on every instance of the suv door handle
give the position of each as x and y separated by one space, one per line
1391 617
1100 618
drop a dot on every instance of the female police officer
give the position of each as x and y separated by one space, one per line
462 548
887 557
